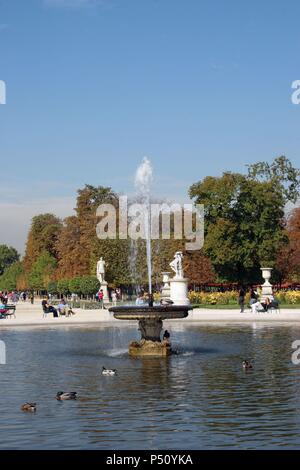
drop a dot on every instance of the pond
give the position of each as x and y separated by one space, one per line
199 399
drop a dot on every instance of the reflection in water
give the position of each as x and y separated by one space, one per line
199 399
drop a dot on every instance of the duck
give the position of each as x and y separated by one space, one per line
166 302
108 371
247 365
29 407
66 395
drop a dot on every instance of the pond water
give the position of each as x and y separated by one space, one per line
199 399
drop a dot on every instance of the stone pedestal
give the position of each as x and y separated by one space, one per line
103 286
166 290
150 343
149 348
267 288
179 291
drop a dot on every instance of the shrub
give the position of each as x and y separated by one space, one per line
63 286
52 287
89 285
75 285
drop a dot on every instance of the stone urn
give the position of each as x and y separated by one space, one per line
267 289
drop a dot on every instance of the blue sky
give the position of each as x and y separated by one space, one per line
199 86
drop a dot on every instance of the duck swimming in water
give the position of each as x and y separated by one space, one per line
247 365
28 407
108 371
66 396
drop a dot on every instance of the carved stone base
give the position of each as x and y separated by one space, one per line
150 348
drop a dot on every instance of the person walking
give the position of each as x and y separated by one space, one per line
114 298
241 300
100 298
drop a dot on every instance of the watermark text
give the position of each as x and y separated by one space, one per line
2 92
154 221
296 94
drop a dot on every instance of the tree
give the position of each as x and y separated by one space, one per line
9 280
89 285
198 268
63 286
88 200
43 235
52 287
281 173
42 271
288 258
244 219
75 285
8 256
69 250
78 246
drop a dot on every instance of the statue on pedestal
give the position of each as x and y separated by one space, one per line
178 284
176 265
101 270
101 278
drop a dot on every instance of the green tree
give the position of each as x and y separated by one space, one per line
63 286
244 220
9 280
52 287
42 271
75 285
281 173
8 256
89 285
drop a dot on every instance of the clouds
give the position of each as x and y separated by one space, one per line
16 217
20 202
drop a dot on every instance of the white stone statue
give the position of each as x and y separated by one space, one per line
176 265
101 270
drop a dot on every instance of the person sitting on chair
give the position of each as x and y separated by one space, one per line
266 304
64 308
3 309
48 308
256 307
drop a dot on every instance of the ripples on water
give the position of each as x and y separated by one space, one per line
200 399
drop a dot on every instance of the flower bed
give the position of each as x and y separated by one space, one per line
215 298
231 298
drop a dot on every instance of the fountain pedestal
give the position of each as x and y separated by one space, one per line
150 325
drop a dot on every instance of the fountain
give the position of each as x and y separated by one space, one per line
150 317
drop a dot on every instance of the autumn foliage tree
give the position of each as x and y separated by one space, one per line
43 236
288 258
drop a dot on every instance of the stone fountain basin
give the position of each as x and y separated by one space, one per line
160 312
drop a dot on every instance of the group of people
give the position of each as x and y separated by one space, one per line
116 295
255 304
12 297
63 308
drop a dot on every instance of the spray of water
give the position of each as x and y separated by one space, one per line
143 180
